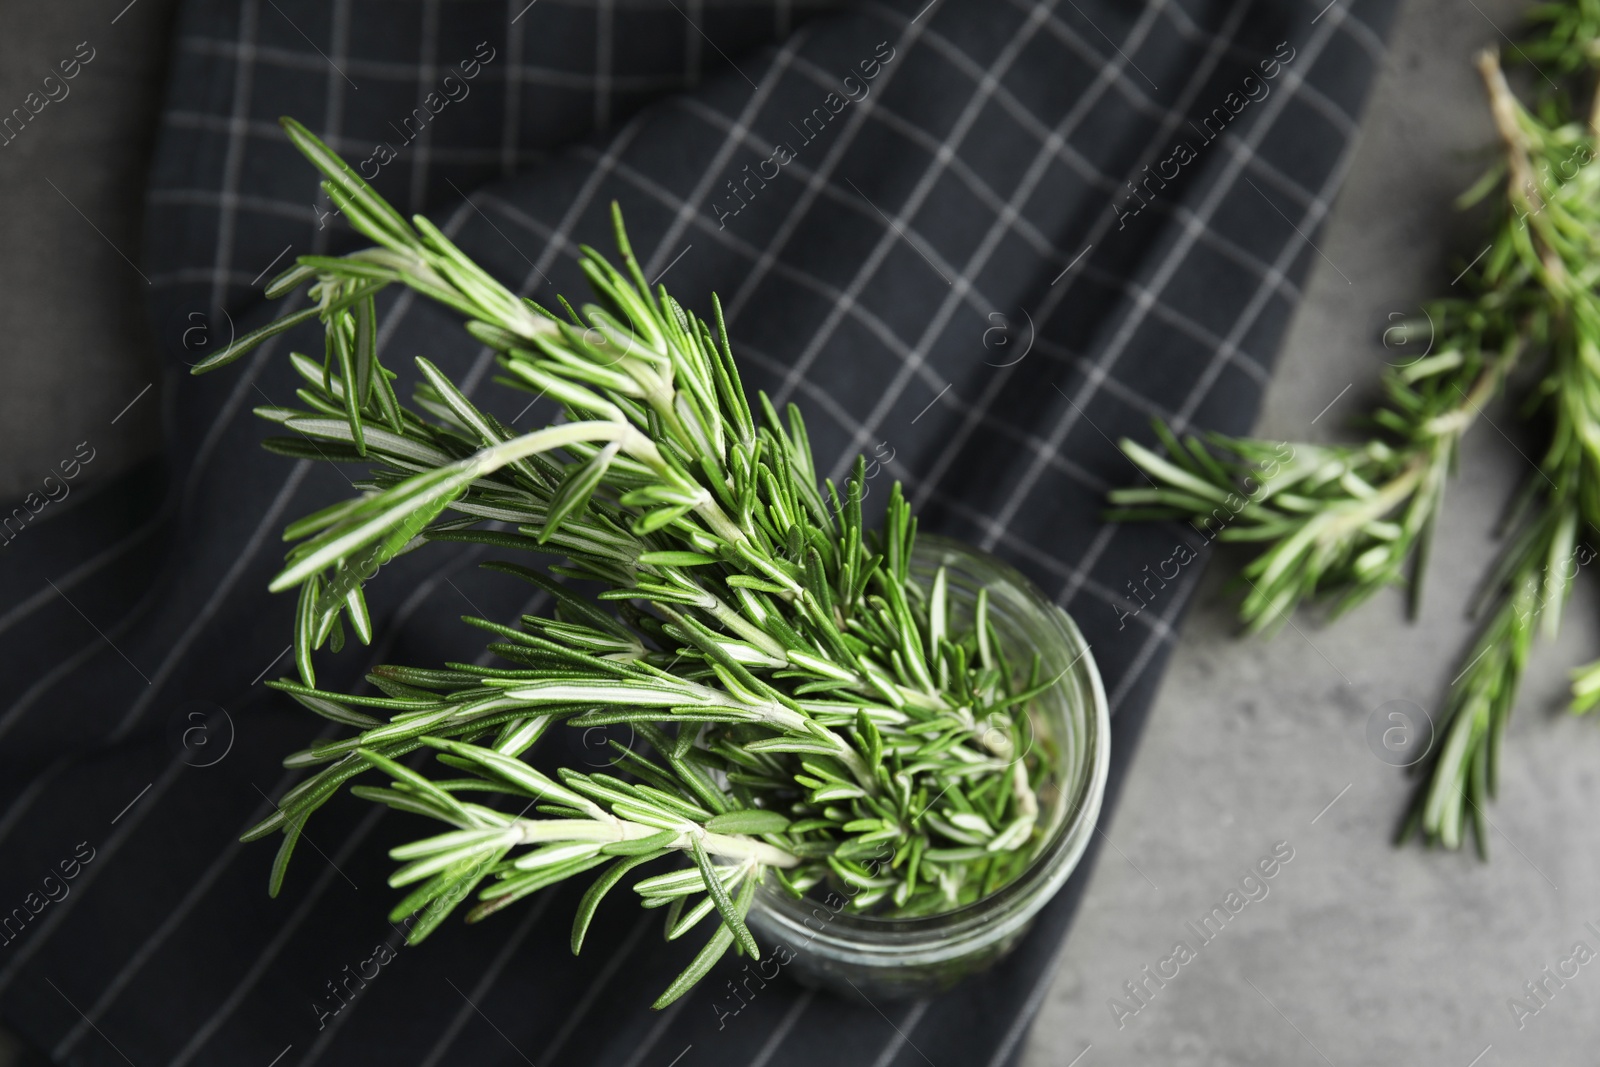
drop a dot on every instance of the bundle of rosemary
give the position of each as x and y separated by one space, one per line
1341 522
811 714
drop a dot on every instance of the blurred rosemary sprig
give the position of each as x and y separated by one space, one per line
812 713
1341 522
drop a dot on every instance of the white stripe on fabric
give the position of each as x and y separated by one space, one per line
425 74
378 653
511 105
486 981
233 163
1031 178
909 35
658 1030
60 911
347 848
1271 107
333 114
903 213
770 79
87 569
597 985
1031 1003
997 382
902 1034
780 1033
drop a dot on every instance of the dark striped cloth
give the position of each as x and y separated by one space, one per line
977 239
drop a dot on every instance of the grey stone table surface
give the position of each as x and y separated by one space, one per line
74 347
1359 953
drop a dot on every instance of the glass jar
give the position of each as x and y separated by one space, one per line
821 944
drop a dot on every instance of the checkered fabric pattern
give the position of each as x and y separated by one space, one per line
962 235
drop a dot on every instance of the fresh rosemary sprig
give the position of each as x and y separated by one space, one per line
1342 522
815 714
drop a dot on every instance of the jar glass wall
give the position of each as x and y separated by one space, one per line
822 943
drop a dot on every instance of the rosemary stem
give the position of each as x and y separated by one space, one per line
1504 108
732 846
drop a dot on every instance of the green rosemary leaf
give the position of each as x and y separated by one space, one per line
681 921
288 281
652 846
404 774
557 855
394 798
403 514
241 346
575 491
280 862
677 883
300 448
303 635
708 956
348 181
512 889
694 778
597 890
677 559
514 771
466 853
343 348
748 821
